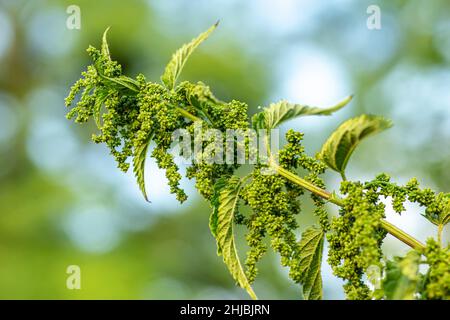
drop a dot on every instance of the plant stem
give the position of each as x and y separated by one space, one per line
306 184
402 236
390 228
439 235
186 114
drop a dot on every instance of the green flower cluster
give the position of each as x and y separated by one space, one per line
436 204
206 175
134 113
437 279
217 115
356 238
93 91
97 92
158 119
357 234
292 157
275 203
273 214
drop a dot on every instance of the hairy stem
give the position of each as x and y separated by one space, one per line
390 228
439 234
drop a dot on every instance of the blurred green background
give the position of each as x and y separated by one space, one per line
63 202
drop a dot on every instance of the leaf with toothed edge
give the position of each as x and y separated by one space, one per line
122 82
277 113
179 58
226 197
402 277
337 150
105 47
310 251
140 155
98 106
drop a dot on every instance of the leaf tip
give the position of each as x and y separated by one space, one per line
344 102
390 123
105 33
105 47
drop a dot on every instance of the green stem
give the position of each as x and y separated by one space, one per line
402 236
306 184
440 229
186 114
390 228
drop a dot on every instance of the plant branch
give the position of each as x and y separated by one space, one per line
390 228
331 197
439 234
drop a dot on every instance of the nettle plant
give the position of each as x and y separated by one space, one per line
131 113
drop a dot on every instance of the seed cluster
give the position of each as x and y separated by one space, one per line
437 280
357 234
275 203
436 204
356 238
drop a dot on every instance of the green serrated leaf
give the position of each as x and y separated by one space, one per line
105 47
123 82
443 213
310 250
277 113
402 277
337 150
221 224
200 97
446 218
258 121
101 97
140 155
215 203
179 58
